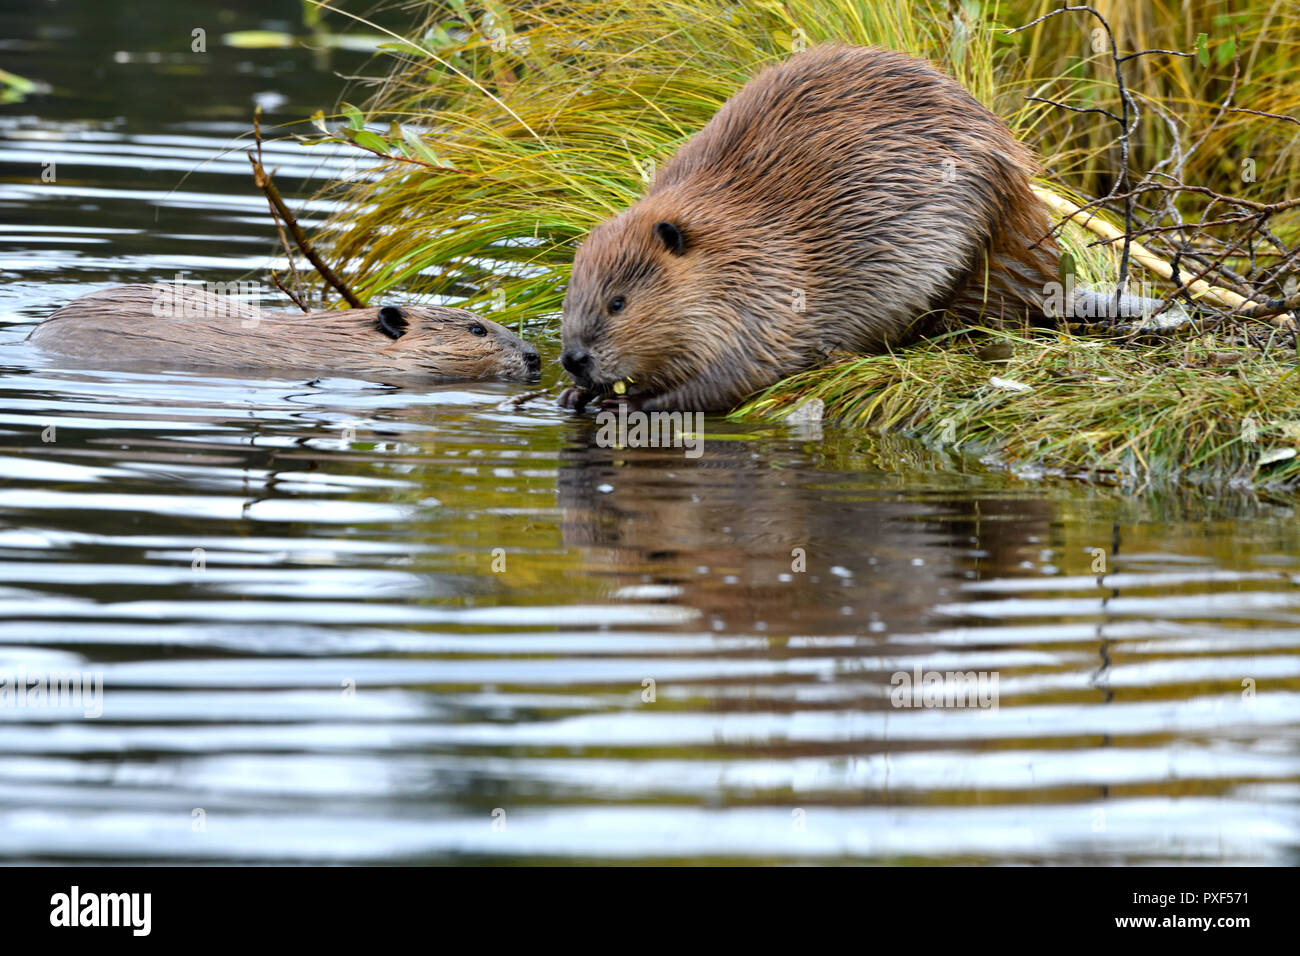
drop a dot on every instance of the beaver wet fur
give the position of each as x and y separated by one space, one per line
850 198
180 325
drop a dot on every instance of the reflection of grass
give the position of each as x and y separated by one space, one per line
14 87
508 129
279 40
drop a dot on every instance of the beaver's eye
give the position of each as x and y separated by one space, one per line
478 329
616 304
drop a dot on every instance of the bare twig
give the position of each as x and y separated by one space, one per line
1281 116
264 183
1127 120
1201 242
294 298
279 226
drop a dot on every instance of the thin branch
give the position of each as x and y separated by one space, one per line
1128 56
280 285
1281 116
1073 109
279 225
264 183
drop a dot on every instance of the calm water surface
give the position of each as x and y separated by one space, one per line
342 622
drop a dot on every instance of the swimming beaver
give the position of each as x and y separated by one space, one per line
180 325
850 198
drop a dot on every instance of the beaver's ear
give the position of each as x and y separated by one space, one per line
671 237
392 321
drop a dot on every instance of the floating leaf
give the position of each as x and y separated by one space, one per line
357 42
259 39
279 40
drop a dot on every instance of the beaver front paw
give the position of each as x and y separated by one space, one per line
575 398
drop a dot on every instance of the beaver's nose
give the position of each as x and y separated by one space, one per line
533 362
576 360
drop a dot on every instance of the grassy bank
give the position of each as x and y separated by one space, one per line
1076 406
506 130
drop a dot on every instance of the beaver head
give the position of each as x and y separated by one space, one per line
452 343
669 306
659 307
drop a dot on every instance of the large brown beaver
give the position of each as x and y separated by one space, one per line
180 325
850 198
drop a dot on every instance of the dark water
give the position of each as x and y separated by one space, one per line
341 622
